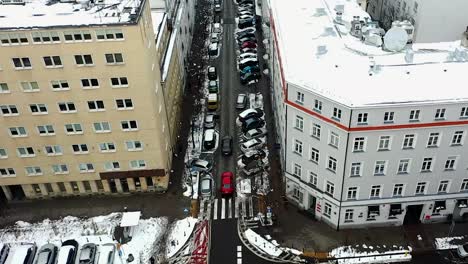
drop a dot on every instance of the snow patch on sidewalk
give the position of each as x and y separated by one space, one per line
366 254
449 242
262 244
179 235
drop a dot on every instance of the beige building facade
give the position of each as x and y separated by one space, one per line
82 110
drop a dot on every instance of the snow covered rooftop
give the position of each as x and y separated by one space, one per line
321 55
130 219
54 13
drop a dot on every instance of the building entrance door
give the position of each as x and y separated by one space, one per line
312 205
413 214
124 184
17 192
112 186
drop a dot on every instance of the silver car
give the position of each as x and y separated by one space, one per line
462 251
88 253
206 186
47 254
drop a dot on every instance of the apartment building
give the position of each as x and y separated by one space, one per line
82 111
434 21
368 137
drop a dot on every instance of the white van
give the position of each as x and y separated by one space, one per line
209 139
212 101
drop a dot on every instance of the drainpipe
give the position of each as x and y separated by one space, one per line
344 168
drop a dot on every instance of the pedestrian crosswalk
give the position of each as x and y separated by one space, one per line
226 208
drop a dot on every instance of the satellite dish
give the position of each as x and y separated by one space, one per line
395 39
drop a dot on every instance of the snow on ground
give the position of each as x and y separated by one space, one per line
179 235
365 254
262 244
262 183
448 242
245 186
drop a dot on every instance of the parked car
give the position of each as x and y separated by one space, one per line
214 37
217 19
246 1
212 101
245 6
4 251
244 35
250 69
462 251
241 101
87 253
250 30
255 156
213 86
106 253
227 183
249 113
249 77
252 123
248 62
210 121
212 73
200 165
216 27
206 186
254 133
209 139
217 8
241 41
213 49
226 145
248 44
248 50
253 144
22 254
68 251
48 254
245 23
246 16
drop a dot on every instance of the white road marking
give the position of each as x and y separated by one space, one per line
244 214
223 211
239 261
250 206
208 216
239 254
236 209
215 211
229 207
239 248
202 208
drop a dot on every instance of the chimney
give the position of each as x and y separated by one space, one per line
464 40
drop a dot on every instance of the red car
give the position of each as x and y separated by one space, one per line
249 44
227 183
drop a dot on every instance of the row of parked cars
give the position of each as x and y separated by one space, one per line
69 253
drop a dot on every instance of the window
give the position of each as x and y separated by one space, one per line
72 129
45 37
77 36
327 210
134 145
109 34
443 187
313 179
433 140
89 83
67 107
420 188
414 115
80 149
297 170
7 172
299 124
25 152
112 166
102 127
107 147
409 141
300 97
358 145
60 85
349 215
129 125
314 155
86 167
33 171
356 169
298 147
119 82
22 63
9 110
464 112
331 164
379 169
375 191
316 128
137 164
95 106
440 114
334 139
3 153
52 61
362 118
46 130
372 212
426 165
352 193
384 143
84 60
403 166
336 113
330 188
318 105
297 194
398 189
388 117
464 185
29 87
457 138
60 169
114 58
4 88
54 150
38 109
13 39
124 104
450 163
18 132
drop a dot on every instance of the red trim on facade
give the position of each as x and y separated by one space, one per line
413 125
310 112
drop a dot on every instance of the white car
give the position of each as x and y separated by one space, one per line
462 251
245 16
247 56
256 143
247 30
214 37
200 165
255 157
254 133
213 49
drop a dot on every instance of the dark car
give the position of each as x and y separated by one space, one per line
249 113
245 39
248 77
246 2
226 145
248 62
217 19
246 30
245 23
245 34
47 254
213 86
251 69
248 44
212 73
252 123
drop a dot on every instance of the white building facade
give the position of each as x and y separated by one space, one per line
358 148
